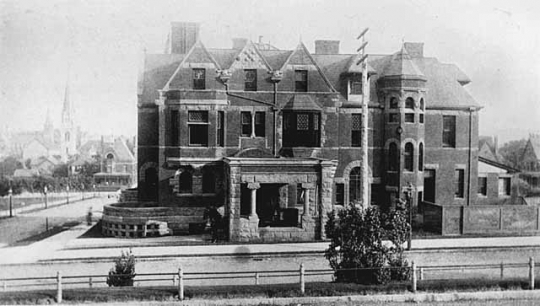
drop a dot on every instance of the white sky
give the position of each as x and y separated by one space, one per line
496 43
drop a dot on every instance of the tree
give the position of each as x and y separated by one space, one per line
61 170
123 272
356 252
512 152
9 165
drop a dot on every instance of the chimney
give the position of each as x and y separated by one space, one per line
414 49
327 47
183 36
239 43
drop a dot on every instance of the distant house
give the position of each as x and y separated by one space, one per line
118 166
45 165
495 182
488 148
530 161
25 173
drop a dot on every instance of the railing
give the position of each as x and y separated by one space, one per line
417 273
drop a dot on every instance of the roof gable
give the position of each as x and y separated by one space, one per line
301 57
198 54
249 58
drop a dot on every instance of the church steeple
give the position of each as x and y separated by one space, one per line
67 110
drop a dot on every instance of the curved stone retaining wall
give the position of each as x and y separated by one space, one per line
145 219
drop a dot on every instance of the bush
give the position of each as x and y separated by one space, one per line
356 252
123 272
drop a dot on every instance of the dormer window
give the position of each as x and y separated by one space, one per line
199 78
356 88
250 80
300 81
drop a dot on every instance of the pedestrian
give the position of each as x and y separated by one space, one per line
214 218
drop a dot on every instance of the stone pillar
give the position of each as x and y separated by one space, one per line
308 193
253 187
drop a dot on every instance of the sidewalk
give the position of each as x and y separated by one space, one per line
66 246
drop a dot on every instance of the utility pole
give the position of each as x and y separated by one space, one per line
363 59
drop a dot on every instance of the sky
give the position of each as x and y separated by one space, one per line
97 47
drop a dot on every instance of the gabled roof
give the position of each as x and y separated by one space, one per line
303 102
119 149
497 164
534 140
276 58
197 54
158 69
245 54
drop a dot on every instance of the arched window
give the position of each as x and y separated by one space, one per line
409 103
355 178
109 164
421 157
393 102
408 156
393 161
185 182
208 181
422 104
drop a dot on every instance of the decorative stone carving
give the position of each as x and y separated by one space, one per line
277 76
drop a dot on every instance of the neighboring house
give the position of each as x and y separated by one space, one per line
274 136
45 165
118 166
25 173
495 183
488 148
530 161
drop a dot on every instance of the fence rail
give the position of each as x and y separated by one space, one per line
178 278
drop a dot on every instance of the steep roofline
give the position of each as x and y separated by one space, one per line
198 42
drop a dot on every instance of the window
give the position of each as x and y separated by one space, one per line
356 130
246 124
208 181
199 78
421 118
355 179
250 80
449 131
260 122
300 81
185 182
174 128
300 194
356 88
66 136
198 128
220 132
409 117
421 157
459 178
394 102
393 157
109 163
504 186
301 129
340 194
408 158
422 104
393 118
409 103
482 186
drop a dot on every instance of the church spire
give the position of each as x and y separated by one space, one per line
67 110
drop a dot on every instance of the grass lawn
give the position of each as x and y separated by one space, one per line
168 293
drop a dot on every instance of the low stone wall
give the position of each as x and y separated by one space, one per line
141 219
128 195
482 219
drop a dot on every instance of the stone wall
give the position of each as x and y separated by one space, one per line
127 219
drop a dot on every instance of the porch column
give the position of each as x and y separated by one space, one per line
253 187
308 187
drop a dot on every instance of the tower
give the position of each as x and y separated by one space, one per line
68 131
402 87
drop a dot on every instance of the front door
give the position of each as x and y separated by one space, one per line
429 185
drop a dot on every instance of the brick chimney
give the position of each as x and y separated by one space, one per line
239 43
414 49
327 47
183 36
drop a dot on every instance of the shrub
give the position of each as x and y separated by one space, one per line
123 272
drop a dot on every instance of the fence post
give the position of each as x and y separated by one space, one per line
256 278
180 284
174 280
421 272
302 279
502 269
58 287
90 282
413 268
531 273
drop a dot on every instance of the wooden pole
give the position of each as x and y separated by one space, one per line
302 279
180 284
531 273
413 268
58 287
